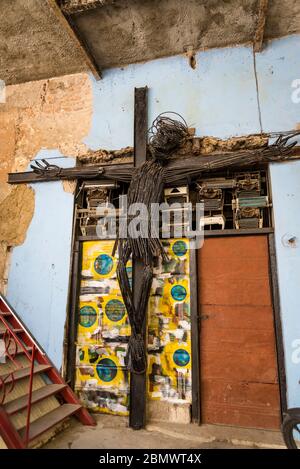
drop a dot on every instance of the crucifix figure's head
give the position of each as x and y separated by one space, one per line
167 135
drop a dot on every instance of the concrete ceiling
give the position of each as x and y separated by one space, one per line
35 43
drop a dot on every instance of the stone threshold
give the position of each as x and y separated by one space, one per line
206 433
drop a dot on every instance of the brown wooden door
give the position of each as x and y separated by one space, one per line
238 365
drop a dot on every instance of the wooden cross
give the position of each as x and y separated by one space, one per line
176 171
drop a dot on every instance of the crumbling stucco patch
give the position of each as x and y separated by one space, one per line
51 114
54 113
69 185
106 156
211 144
16 212
194 146
7 142
3 257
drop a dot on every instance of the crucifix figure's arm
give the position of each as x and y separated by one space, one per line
43 172
176 169
180 169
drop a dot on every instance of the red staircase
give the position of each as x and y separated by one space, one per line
23 359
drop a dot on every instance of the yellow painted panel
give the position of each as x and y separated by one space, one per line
169 327
102 380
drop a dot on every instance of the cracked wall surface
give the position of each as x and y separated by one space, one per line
52 114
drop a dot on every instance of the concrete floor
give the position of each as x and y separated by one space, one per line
113 433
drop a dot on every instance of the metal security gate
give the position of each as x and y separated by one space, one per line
238 365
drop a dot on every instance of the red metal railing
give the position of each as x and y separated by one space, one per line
19 341
13 345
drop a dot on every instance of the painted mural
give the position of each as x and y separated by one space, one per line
102 380
169 327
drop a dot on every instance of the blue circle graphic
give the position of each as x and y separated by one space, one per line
115 310
106 370
178 293
87 316
181 357
179 248
103 264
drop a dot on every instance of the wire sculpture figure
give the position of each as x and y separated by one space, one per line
146 184
146 187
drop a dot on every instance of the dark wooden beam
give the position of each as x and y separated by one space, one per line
78 172
260 27
68 26
195 334
137 418
73 313
123 171
140 125
235 232
210 233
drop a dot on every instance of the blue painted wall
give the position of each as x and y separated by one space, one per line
277 67
219 98
286 200
39 272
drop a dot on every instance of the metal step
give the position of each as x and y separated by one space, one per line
49 420
24 373
20 350
16 331
21 402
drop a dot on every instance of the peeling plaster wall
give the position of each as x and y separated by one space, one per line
227 94
16 212
39 272
54 114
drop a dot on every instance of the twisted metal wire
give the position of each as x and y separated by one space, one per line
146 187
166 135
280 150
45 169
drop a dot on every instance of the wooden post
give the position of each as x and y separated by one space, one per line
137 418
195 327
73 318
